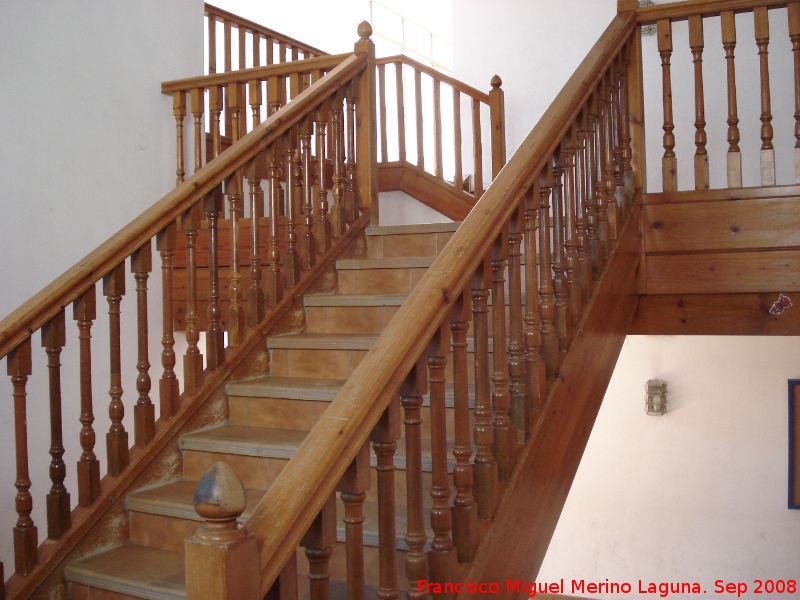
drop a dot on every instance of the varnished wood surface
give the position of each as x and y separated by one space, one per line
299 492
539 488
69 286
720 195
709 8
715 314
436 75
428 189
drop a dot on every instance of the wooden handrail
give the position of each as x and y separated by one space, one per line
438 75
708 8
319 63
252 26
302 488
32 315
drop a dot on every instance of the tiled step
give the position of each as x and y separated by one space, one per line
351 313
408 240
132 570
380 276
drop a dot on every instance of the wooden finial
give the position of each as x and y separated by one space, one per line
496 81
364 30
220 494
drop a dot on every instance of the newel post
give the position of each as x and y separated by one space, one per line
497 117
222 556
625 5
366 127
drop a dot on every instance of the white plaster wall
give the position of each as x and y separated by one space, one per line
88 144
697 495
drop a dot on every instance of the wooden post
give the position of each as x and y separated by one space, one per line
222 556
353 487
767 150
700 155
497 118
669 166
636 123
318 543
233 189
193 359
117 437
143 412
728 20
215 343
794 36
546 304
518 388
537 377
179 112
366 128
168 389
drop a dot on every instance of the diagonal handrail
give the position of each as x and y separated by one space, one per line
298 494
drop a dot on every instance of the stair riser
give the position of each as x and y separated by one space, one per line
158 531
78 591
256 472
335 364
407 245
378 281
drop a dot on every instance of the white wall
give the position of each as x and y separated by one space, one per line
699 494
88 144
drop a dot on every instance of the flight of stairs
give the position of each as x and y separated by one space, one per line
269 418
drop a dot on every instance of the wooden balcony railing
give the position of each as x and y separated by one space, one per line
252 44
275 150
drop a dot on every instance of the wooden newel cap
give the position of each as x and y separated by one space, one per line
220 494
364 30
496 81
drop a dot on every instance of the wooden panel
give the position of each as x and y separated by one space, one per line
722 225
723 273
780 191
708 314
539 488
430 190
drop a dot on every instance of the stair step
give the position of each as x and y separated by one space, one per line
137 571
336 341
351 264
380 275
263 442
380 230
343 300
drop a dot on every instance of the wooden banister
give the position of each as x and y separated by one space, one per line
437 75
74 282
680 11
302 489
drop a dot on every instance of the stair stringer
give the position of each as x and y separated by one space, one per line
517 540
106 525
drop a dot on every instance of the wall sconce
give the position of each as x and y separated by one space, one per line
655 401
650 28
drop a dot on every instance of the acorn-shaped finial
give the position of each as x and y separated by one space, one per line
364 30
220 494
496 81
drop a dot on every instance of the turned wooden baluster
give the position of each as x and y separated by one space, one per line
26 553
197 97
168 391
465 516
442 556
306 246
273 276
520 414
592 207
401 111
350 204
497 119
215 343
458 176
601 197
193 359
562 321
353 487
581 215
117 437
504 437
144 420
179 112
228 69
382 112
414 386
546 305
285 586
254 172
419 119
338 221
609 167
384 438
574 291
794 36
477 147
215 108
322 228
294 194
54 338
537 376
616 79
437 128
728 20
84 312
697 45
318 543
236 319
212 45
625 135
761 19
486 493
669 163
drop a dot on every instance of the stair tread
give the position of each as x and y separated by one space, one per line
416 228
355 300
263 442
335 341
417 262
176 499
134 570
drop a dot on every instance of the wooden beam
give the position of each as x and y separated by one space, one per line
678 11
721 195
715 314
422 186
537 492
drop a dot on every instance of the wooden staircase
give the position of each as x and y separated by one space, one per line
268 418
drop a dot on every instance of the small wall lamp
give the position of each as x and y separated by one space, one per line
655 401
